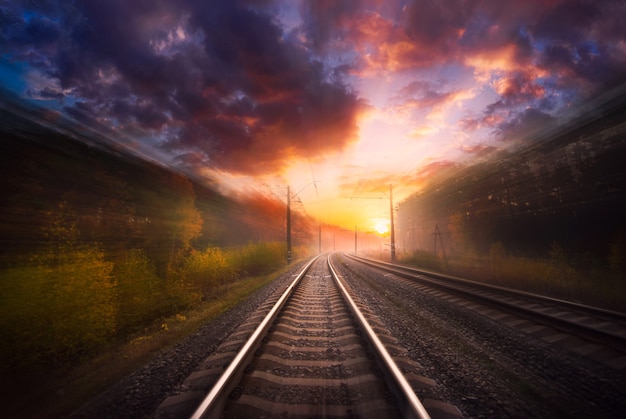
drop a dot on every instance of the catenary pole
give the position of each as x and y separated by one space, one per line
393 233
288 224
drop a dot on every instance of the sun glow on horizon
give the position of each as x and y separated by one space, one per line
381 226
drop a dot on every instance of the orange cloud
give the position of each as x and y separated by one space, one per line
518 85
486 62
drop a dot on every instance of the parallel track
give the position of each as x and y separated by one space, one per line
603 330
313 355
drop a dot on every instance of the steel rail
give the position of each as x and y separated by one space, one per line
409 403
513 292
213 403
601 336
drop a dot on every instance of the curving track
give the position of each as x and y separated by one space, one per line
596 333
313 354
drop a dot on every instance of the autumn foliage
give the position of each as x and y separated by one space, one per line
97 247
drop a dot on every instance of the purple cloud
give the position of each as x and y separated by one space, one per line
221 77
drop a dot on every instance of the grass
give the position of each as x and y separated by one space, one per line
553 276
59 392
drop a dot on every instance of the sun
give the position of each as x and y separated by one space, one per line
381 227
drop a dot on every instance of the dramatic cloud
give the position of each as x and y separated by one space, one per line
251 89
583 42
223 78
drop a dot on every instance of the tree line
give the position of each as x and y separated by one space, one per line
559 196
96 244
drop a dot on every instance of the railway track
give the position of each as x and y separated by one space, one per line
592 332
310 352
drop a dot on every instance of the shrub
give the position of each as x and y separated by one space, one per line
59 307
140 292
259 258
205 271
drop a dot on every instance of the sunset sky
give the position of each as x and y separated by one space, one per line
351 95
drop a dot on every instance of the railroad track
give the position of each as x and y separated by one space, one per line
310 353
589 331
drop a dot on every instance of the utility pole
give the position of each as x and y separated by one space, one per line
289 217
393 233
355 239
288 224
437 234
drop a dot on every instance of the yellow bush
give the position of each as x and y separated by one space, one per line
204 271
140 292
58 308
258 258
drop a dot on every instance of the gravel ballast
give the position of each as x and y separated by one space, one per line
137 395
484 368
